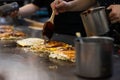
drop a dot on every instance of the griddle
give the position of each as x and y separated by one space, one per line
17 63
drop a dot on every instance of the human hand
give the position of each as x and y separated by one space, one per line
60 6
115 13
14 13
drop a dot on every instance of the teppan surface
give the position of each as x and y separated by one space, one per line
19 64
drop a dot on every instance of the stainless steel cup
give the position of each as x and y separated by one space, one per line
94 57
95 21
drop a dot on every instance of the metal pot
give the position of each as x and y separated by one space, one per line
95 21
6 9
94 57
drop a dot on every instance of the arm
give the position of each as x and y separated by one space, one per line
27 10
75 5
79 5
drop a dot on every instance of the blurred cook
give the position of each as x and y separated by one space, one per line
67 23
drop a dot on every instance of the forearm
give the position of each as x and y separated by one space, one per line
80 5
27 10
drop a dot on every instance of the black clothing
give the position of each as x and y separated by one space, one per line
69 23
43 3
108 2
65 23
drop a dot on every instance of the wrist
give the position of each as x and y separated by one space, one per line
69 6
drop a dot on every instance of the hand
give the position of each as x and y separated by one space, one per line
14 14
60 6
115 13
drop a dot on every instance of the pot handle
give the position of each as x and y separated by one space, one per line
107 14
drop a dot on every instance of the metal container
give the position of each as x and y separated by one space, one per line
95 21
94 57
6 9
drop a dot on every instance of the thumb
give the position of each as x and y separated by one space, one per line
109 7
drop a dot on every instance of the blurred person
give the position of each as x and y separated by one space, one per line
70 6
114 14
64 21
112 5
67 23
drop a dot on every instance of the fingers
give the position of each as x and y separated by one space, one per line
111 14
14 14
110 7
53 6
114 15
115 20
59 5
